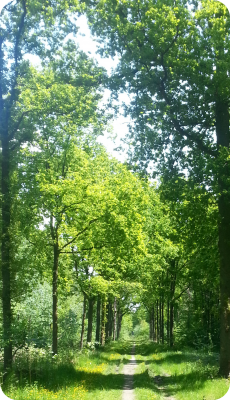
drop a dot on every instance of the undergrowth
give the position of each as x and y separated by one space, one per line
182 375
86 375
97 374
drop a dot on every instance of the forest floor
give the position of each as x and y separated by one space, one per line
114 373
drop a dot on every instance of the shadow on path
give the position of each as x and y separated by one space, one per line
55 377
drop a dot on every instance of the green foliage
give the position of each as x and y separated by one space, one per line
141 330
29 101
74 216
69 375
181 374
33 318
32 323
173 65
127 327
69 325
172 60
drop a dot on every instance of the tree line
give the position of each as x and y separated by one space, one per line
79 221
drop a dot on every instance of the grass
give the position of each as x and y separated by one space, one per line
88 375
97 375
182 375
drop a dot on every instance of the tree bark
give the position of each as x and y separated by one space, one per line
55 299
171 324
160 323
172 293
6 106
150 324
5 248
83 322
110 319
120 316
98 319
162 320
107 321
153 321
103 322
114 319
222 132
157 323
90 320
168 335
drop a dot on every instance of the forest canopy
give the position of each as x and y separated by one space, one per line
84 237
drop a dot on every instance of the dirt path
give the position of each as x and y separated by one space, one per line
128 371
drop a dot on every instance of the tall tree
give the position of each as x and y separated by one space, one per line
27 27
89 206
174 62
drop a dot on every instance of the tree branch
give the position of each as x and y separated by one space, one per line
179 295
80 233
14 130
85 249
191 137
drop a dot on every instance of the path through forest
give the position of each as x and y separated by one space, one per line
128 371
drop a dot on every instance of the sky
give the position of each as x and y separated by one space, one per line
119 125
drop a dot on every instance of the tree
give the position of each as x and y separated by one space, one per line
198 270
88 204
66 203
27 28
174 62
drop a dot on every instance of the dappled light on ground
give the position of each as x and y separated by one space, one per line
159 372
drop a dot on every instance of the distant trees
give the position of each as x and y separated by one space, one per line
177 289
86 212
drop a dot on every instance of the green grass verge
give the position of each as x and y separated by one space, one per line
88 376
182 375
97 375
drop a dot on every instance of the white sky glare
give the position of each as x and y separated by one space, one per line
120 128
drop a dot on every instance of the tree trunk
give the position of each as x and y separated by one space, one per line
162 320
90 320
171 323
222 132
224 247
83 322
98 319
150 324
168 334
107 321
103 322
55 299
153 322
160 324
157 323
110 319
172 293
5 248
119 323
114 319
